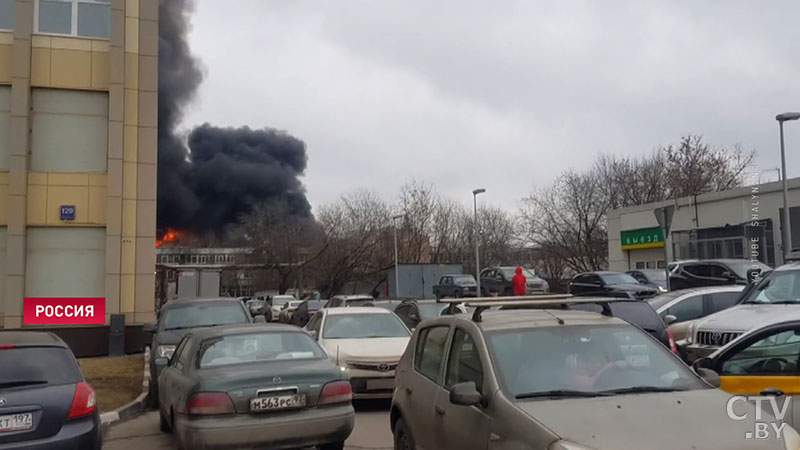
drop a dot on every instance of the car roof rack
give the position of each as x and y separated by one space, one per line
561 301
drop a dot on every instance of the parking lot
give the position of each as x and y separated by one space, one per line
371 431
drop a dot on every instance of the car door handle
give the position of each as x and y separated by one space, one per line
775 392
439 410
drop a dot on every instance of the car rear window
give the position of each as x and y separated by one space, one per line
38 365
260 347
638 313
203 315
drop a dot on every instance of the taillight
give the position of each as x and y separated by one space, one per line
84 402
6 347
209 403
671 338
336 392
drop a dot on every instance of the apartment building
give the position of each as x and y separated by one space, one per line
78 139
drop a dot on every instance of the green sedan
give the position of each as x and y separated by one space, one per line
254 386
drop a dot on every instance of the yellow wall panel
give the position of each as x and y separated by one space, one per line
5 63
40 66
128 257
126 291
37 178
37 205
6 37
41 41
131 116
71 68
128 218
3 177
129 180
98 179
67 195
3 204
132 8
132 35
131 70
101 46
69 43
97 204
100 70
130 152
68 179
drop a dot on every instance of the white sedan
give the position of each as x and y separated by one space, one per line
367 342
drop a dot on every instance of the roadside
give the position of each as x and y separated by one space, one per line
116 380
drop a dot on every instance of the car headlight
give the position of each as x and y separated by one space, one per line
165 351
662 289
690 333
790 438
564 445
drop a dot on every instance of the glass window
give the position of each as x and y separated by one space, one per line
430 351
776 354
651 264
661 264
202 314
618 278
261 347
8 13
722 300
698 270
313 324
363 326
777 287
464 364
535 361
687 309
37 365
640 264
86 18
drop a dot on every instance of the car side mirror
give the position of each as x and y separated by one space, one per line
465 394
729 276
259 319
709 376
669 319
161 361
149 328
702 363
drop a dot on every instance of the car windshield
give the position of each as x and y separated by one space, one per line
587 359
777 287
280 301
655 274
250 348
294 304
203 315
363 326
618 278
741 268
37 365
361 301
463 280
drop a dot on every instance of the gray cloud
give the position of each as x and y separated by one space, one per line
499 94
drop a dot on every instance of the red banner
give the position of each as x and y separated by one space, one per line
64 311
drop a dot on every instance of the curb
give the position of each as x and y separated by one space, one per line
133 408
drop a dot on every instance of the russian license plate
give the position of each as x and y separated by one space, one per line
277 402
16 422
380 384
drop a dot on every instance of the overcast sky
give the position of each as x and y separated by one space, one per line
501 95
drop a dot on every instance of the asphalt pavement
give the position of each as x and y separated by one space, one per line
371 431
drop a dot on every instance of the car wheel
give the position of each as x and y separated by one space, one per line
152 393
332 446
402 436
163 423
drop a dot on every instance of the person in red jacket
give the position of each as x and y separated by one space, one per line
520 283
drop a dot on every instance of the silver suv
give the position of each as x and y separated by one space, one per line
774 299
557 380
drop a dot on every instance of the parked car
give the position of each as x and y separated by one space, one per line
499 279
256 307
456 286
592 283
655 278
339 301
680 308
775 298
247 386
181 316
557 380
277 303
45 403
763 361
716 272
412 312
366 341
288 310
305 311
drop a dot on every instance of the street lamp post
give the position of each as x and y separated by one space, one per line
787 231
475 236
396 258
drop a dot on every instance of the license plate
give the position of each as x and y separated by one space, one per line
277 402
380 384
16 422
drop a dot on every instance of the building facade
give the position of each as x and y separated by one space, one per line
78 153
743 223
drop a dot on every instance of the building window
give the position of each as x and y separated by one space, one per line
651 264
65 262
8 14
69 131
229 259
219 258
661 264
203 259
85 18
640 264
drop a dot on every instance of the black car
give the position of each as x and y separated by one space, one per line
602 283
708 272
178 317
45 403
655 278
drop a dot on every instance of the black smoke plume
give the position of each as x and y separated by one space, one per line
223 172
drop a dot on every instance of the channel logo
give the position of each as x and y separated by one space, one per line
64 311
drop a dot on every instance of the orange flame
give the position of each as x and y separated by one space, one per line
169 236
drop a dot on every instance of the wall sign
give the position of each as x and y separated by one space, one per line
642 238
67 212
